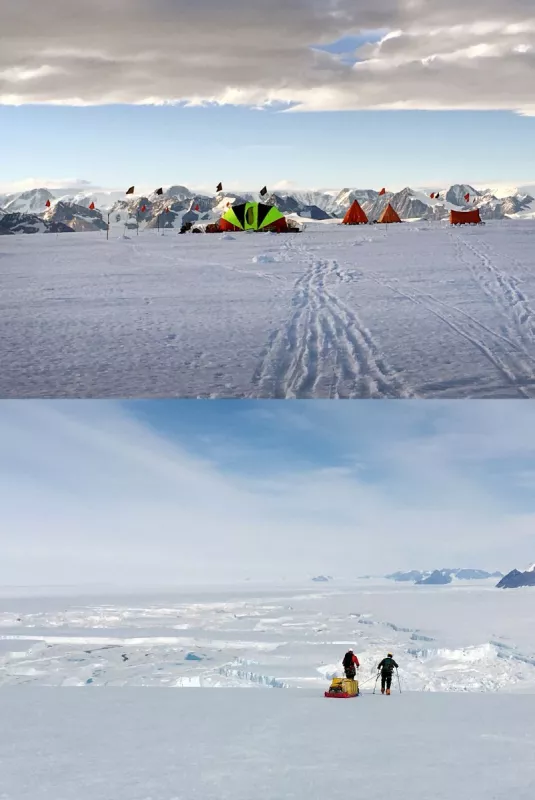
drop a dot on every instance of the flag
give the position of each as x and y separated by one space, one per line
92 207
383 191
219 187
433 196
197 208
143 209
47 204
159 191
437 196
467 197
263 191
131 190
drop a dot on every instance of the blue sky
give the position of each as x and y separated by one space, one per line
389 92
115 146
153 492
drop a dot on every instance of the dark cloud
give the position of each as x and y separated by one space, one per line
477 55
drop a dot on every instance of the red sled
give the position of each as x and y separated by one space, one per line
340 694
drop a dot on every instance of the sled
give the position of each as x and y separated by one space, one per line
343 687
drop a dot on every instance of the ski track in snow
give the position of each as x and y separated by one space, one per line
331 313
324 350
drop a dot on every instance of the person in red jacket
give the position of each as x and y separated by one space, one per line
350 664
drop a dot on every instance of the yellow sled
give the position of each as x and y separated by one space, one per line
343 687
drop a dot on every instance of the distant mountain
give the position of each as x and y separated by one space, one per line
178 205
30 202
437 578
76 217
476 575
322 578
30 223
404 577
515 579
418 576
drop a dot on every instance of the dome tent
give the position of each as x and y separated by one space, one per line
254 217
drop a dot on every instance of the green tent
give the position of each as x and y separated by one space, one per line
253 217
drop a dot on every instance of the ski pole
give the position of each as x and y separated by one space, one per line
375 686
399 682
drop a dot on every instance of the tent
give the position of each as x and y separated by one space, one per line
466 217
253 217
389 215
355 215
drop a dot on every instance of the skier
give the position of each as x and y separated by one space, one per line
386 666
350 664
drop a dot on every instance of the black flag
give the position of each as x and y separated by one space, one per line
263 191
219 187
159 191
131 190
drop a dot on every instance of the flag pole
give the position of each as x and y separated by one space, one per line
108 227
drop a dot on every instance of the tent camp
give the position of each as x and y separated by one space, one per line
466 217
389 215
254 217
355 215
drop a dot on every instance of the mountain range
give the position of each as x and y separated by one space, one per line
178 205
442 576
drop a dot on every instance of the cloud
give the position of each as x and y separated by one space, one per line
436 55
90 493
54 184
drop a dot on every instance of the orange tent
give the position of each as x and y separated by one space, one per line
389 215
465 217
355 215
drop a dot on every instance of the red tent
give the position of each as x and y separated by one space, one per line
465 217
389 215
355 215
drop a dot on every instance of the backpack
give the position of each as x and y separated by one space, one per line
348 660
388 664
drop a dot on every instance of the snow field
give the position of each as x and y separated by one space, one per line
414 310
149 745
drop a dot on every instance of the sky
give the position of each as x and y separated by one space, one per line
161 493
297 94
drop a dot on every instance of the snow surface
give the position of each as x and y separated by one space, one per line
149 745
413 310
456 638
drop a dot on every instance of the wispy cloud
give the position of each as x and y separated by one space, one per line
88 491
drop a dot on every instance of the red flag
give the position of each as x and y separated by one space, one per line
433 196
383 191
467 197
92 207
47 204
143 209
197 208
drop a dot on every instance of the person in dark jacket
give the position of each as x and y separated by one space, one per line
350 664
386 667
